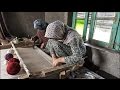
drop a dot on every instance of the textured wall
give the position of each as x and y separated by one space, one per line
21 23
105 60
53 16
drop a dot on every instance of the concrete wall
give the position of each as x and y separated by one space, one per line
105 60
21 23
53 16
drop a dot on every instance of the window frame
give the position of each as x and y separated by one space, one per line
74 19
114 42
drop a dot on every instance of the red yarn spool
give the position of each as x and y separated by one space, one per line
13 68
14 60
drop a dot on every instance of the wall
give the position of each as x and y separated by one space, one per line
21 23
53 16
105 60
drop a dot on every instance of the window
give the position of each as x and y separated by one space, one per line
103 26
100 28
79 19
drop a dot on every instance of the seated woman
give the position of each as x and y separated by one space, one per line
39 38
65 44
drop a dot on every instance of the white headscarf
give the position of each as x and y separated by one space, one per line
55 30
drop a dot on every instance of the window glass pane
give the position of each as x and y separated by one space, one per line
103 26
88 27
80 22
87 34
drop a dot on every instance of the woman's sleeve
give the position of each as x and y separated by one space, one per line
77 52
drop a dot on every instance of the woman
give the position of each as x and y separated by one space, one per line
65 44
39 38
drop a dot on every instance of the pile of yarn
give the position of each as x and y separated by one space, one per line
12 64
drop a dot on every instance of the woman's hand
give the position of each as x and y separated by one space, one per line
42 45
34 38
57 61
54 60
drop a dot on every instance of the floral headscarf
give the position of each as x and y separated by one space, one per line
55 30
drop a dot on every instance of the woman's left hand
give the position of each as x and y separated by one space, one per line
42 46
55 61
58 61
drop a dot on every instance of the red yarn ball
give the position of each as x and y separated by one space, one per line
13 68
14 60
8 56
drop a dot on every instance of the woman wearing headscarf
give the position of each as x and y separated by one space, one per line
65 44
40 26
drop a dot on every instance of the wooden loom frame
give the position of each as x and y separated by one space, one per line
44 72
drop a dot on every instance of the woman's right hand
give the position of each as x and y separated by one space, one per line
42 45
34 38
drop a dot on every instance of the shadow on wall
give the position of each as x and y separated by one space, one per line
13 24
101 58
88 61
98 56
21 23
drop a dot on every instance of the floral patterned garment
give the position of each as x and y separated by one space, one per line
65 42
72 49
